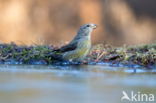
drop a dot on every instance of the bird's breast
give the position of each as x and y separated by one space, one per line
80 52
84 43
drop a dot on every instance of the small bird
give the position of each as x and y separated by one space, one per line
80 46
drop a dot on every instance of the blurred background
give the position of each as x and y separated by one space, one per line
57 21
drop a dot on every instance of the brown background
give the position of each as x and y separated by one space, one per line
56 21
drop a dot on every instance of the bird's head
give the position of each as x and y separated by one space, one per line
85 30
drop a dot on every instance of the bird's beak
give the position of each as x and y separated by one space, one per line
94 26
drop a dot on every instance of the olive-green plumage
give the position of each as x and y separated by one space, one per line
79 47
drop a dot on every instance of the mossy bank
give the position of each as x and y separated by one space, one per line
144 55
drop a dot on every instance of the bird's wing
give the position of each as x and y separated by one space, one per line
71 46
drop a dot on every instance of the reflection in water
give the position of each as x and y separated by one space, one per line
72 84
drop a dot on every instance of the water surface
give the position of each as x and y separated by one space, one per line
72 84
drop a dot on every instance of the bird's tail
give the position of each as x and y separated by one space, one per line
55 56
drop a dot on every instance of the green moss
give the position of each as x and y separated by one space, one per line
24 54
142 54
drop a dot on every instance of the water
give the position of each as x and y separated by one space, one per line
72 84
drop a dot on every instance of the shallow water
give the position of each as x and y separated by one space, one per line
73 84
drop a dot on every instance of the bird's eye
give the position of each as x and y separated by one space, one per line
88 25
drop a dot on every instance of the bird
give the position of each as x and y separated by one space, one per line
79 47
